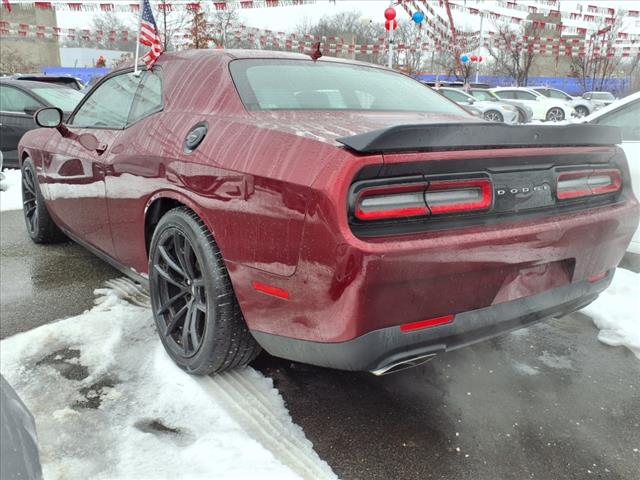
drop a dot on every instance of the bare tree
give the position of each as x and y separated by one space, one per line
350 27
170 23
100 35
13 62
599 63
411 57
513 56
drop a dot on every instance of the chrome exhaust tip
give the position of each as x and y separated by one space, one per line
399 365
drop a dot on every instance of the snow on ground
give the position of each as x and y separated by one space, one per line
616 312
110 404
10 194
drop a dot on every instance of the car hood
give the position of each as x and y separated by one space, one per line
326 126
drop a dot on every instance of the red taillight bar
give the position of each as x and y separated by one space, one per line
582 183
453 196
431 322
391 201
432 197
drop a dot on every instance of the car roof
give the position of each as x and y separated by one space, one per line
29 84
238 54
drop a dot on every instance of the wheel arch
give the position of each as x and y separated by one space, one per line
159 204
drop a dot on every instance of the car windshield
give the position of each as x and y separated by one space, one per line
602 96
64 98
304 85
484 95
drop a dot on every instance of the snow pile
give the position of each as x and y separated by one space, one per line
11 193
110 404
616 312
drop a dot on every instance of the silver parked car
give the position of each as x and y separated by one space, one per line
599 99
525 113
583 106
491 111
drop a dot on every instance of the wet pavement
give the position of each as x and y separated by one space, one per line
42 283
548 402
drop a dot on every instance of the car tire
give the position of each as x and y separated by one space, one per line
493 116
194 306
555 114
40 226
582 111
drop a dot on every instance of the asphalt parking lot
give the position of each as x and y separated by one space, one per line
548 402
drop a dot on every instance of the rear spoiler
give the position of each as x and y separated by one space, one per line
466 136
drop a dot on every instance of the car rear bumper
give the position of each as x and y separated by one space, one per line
382 350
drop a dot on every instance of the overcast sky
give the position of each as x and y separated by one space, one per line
287 18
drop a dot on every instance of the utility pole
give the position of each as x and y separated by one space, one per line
481 43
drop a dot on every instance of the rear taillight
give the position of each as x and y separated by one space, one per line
431 197
391 201
582 183
453 196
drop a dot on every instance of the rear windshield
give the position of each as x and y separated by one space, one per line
305 85
64 98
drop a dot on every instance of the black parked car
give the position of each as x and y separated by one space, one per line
62 80
19 100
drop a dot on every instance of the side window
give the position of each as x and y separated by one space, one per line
14 100
557 94
627 119
109 105
509 94
148 97
521 95
455 96
545 92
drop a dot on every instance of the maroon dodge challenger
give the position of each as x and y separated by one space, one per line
330 212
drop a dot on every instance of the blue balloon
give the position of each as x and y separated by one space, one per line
464 58
417 17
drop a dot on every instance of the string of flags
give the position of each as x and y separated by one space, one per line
301 42
132 6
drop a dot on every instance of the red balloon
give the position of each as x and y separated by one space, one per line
390 14
473 58
388 23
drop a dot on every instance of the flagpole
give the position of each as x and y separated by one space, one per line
135 62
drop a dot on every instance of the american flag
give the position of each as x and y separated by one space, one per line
149 35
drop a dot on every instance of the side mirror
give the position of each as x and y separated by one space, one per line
50 117
472 101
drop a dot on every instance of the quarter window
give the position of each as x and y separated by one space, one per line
148 97
627 119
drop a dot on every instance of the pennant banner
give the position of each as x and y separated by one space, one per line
131 6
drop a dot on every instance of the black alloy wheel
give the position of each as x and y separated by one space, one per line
29 201
194 306
182 298
40 226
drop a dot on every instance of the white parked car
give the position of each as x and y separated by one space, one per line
549 109
583 106
625 114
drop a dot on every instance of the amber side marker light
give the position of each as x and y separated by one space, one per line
271 290
431 322
597 276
